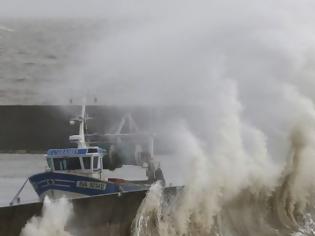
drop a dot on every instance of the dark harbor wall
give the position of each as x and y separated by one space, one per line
37 128
34 129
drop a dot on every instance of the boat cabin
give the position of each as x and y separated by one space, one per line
75 159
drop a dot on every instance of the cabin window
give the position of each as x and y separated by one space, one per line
95 162
49 162
92 150
73 163
87 162
58 163
69 163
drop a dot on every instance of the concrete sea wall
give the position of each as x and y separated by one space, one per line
109 215
100 215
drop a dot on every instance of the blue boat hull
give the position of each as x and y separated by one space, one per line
56 185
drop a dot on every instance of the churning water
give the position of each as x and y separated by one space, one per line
215 202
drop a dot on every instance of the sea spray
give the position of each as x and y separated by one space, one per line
149 212
308 229
216 177
55 216
220 174
236 187
205 207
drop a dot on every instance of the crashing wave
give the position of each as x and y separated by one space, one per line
257 209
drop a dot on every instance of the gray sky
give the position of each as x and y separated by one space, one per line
81 8
58 8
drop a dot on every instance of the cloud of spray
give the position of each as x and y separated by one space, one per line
231 182
149 212
215 176
247 66
55 216
188 52
302 148
261 45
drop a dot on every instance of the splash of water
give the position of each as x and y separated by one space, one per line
149 213
308 229
55 215
236 190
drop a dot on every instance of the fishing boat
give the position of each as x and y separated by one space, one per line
83 171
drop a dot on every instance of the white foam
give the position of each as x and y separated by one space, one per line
55 215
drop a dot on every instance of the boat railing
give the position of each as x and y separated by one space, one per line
16 197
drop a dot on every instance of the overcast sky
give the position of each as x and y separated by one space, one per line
78 8
58 8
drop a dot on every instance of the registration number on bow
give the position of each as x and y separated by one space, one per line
91 185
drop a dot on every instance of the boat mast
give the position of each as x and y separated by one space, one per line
79 139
